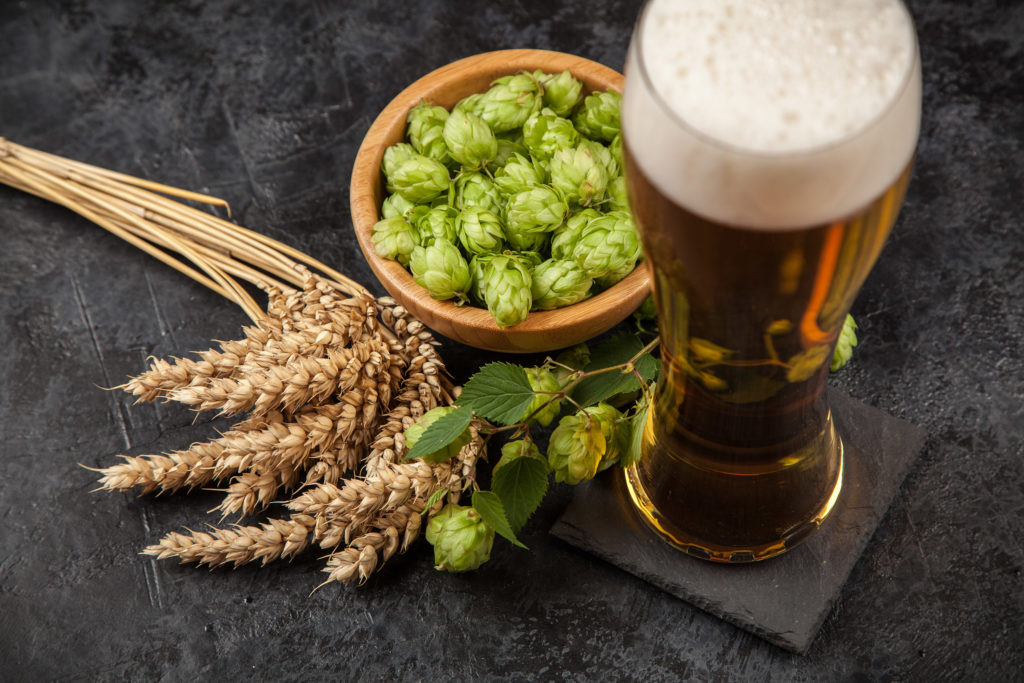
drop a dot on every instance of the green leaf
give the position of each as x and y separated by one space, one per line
521 485
434 497
488 506
618 349
499 392
445 429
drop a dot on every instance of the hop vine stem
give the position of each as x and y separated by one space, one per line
579 375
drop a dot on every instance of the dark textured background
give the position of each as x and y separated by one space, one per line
264 105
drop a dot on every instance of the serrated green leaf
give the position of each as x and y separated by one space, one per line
488 505
445 429
521 485
616 350
499 392
434 497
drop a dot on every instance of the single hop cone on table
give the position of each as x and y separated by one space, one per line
462 540
576 448
545 385
615 430
513 450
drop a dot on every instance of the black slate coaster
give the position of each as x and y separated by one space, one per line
785 599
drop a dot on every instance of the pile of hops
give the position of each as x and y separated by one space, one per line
329 384
514 200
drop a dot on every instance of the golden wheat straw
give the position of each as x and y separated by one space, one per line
332 378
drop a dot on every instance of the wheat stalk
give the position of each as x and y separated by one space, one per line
330 375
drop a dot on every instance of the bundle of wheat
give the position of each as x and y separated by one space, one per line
329 376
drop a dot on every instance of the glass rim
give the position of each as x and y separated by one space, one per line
912 68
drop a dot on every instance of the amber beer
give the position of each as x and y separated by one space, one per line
767 150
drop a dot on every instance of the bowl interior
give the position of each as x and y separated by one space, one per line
542 330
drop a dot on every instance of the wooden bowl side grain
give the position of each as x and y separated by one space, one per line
542 330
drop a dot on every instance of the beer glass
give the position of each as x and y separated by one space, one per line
767 147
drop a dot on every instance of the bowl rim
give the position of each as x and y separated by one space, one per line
398 281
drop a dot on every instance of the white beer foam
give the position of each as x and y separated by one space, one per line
774 114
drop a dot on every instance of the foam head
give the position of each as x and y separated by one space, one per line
774 114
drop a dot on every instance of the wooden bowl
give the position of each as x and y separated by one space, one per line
542 330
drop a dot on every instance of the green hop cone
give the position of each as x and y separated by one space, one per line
615 149
603 156
637 424
480 231
514 450
477 274
437 223
558 283
615 430
844 347
545 133
544 384
521 240
441 269
565 237
617 199
396 205
562 92
425 130
506 150
506 290
599 117
528 257
470 141
476 189
579 175
536 209
418 179
573 358
414 431
509 102
518 174
647 310
469 104
576 448
394 238
608 245
394 155
461 538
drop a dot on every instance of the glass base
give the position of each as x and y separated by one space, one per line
705 550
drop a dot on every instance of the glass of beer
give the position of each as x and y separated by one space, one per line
768 144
